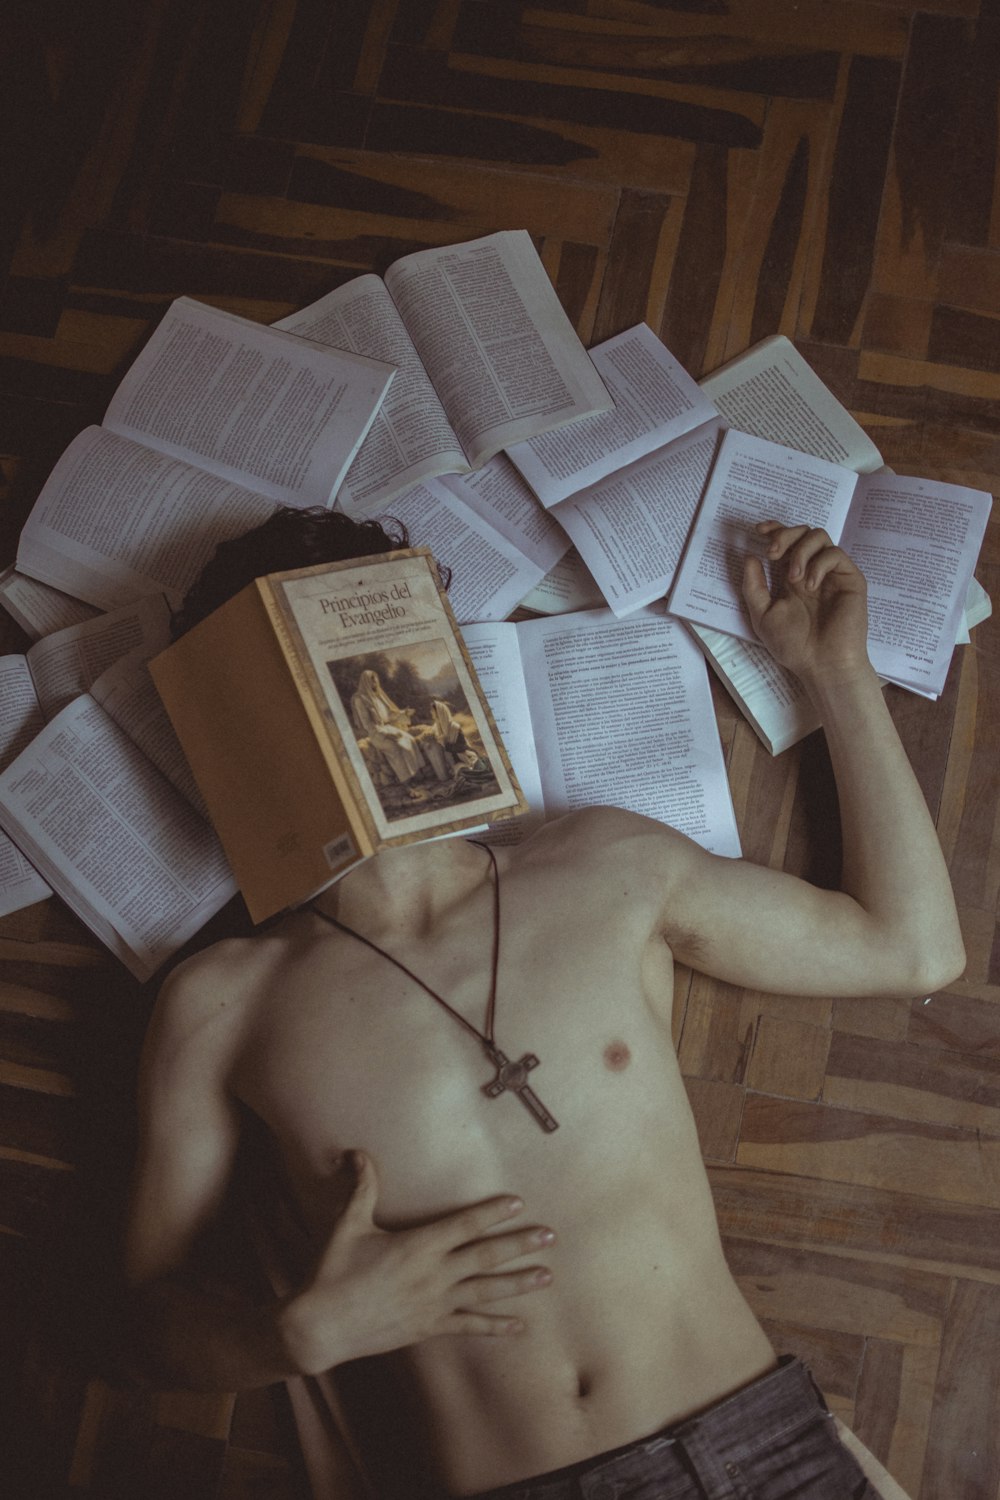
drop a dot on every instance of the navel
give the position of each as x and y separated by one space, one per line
617 1056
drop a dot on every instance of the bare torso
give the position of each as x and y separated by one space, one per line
338 1049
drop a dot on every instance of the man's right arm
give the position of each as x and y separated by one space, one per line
369 1291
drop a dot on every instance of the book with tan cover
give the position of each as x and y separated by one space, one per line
331 711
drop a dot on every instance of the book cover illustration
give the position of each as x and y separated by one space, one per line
414 728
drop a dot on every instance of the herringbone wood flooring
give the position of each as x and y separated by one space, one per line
724 169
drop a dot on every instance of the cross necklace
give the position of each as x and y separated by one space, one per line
512 1076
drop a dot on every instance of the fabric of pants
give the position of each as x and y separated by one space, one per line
773 1440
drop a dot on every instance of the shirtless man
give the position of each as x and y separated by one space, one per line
457 1204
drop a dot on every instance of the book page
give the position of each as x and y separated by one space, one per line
488 575
128 695
568 587
623 717
495 341
115 521
773 699
916 541
655 399
21 718
39 609
753 480
499 496
631 529
496 656
20 883
113 838
65 664
411 438
249 403
772 392
978 607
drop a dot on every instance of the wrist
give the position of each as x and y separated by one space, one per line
303 1336
832 680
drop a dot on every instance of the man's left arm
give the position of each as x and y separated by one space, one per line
892 928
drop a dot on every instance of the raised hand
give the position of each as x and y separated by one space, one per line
817 622
373 1290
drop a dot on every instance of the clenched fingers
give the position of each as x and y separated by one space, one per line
809 553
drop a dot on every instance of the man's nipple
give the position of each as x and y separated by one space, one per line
617 1056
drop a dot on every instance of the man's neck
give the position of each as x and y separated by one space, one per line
408 890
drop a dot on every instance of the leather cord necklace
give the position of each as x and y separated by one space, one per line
512 1076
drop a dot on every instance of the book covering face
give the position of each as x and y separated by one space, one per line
329 712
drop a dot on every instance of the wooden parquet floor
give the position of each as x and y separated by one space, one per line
723 169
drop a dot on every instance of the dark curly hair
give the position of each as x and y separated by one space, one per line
289 538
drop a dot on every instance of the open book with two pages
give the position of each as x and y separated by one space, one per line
484 353
218 420
96 798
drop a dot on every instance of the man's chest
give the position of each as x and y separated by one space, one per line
365 1057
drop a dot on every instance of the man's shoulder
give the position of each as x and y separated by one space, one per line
214 991
596 844
603 830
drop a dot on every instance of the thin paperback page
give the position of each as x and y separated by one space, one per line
496 657
499 496
631 529
623 717
772 392
411 438
20 883
916 541
498 347
488 575
567 588
655 399
128 696
115 841
39 609
248 403
771 698
21 718
753 480
21 715
116 520
65 664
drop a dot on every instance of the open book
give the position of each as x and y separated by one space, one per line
656 401
489 530
35 686
486 357
38 609
96 804
625 487
600 711
218 420
328 712
915 540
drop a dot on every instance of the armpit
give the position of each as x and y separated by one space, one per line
684 943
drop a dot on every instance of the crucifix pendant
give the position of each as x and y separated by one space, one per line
514 1076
